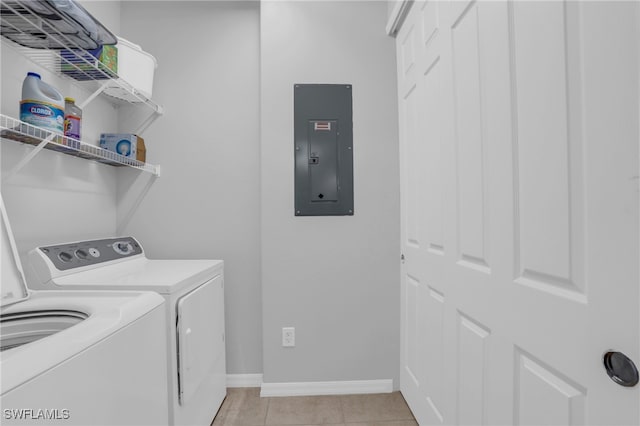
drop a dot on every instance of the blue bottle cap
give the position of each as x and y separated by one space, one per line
34 74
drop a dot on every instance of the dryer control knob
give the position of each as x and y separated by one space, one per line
122 247
81 254
65 257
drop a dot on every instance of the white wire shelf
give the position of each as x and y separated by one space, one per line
19 131
68 60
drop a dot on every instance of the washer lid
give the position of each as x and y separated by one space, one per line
13 287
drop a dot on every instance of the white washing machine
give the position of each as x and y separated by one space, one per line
78 357
194 294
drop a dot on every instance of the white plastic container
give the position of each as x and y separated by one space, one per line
42 105
136 67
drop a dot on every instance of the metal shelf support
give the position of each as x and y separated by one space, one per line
148 122
27 158
94 95
122 224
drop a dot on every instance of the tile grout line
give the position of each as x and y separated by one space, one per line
266 414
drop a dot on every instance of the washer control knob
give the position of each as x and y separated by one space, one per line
81 254
94 252
122 247
65 256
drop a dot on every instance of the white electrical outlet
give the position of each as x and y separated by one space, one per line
288 337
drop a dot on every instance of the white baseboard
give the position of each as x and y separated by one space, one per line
327 388
244 380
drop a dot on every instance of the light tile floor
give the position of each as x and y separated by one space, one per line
245 407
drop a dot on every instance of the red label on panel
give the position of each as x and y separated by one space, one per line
322 125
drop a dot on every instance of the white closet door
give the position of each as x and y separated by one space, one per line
519 130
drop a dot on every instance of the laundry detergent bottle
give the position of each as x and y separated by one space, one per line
72 118
42 105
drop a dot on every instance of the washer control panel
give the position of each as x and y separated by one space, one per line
84 253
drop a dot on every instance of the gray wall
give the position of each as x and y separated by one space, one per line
335 279
206 202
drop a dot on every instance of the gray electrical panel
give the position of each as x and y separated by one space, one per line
323 143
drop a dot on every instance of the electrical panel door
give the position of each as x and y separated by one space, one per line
323 133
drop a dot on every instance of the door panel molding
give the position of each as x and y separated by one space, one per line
520 210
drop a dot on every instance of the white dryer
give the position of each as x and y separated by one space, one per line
78 357
194 294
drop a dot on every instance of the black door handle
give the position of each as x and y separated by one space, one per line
620 368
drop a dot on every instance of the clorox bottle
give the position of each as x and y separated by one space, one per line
42 105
